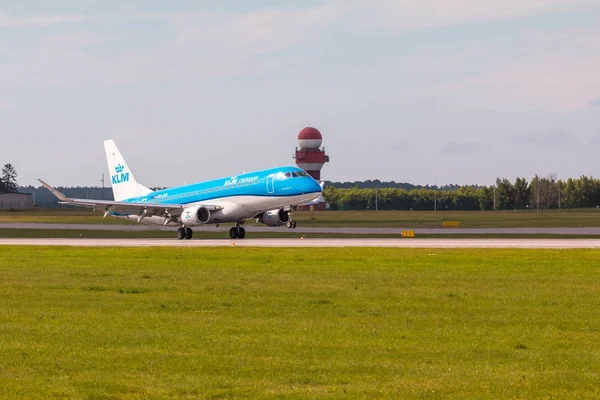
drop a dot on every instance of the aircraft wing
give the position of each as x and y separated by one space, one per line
109 206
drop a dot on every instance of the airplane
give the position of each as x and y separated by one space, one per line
266 196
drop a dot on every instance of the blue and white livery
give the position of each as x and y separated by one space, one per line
266 195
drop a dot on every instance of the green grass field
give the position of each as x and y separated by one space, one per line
298 323
395 219
60 216
468 219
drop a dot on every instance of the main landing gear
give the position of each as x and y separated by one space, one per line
291 224
184 233
237 232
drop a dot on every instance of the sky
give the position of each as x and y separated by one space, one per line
421 91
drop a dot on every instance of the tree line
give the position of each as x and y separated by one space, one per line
540 193
8 179
376 183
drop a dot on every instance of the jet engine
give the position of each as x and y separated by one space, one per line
274 217
197 215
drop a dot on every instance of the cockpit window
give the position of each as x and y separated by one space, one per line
287 175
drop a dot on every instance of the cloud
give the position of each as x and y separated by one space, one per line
595 140
257 32
204 44
558 138
270 29
224 43
399 145
550 71
410 15
456 148
595 102
7 21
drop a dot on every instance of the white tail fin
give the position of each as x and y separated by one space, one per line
123 182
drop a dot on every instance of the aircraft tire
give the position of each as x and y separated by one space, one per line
233 233
189 233
241 233
180 233
294 225
290 224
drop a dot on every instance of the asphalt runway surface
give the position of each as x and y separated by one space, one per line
308 230
389 243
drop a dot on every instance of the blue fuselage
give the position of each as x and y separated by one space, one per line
239 197
275 182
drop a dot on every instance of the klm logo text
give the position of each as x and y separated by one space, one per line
120 176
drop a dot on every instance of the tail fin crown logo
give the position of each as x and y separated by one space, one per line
120 176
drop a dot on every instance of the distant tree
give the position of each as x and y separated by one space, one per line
486 198
569 199
505 194
551 190
9 178
522 193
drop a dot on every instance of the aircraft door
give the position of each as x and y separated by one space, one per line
271 183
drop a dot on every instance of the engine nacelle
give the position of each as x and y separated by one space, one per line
274 217
197 215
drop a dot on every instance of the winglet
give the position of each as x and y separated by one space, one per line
55 192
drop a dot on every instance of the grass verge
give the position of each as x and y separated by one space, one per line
297 323
365 219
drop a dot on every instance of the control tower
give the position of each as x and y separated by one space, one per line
310 156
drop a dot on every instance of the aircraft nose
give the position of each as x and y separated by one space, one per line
315 186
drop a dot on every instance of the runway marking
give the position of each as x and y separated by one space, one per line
389 243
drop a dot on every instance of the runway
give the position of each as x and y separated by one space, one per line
309 230
320 243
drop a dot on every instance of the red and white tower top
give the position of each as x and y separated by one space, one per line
310 138
310 156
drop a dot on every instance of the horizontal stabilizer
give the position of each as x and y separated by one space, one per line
54 191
